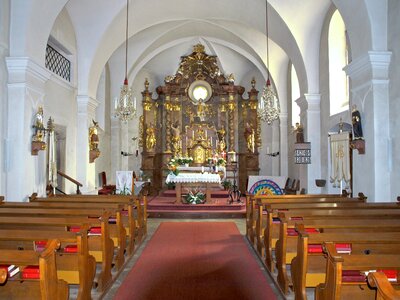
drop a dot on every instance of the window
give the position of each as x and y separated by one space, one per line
338 58
57 63
295 95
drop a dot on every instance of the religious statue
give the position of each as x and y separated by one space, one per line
221 140
39 127
93 136
298 129
249 135
150 137
176 138
356 121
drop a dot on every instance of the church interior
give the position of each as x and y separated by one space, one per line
156 114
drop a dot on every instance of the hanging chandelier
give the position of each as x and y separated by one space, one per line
268 107
125 106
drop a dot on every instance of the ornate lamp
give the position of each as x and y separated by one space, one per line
268 108
125 106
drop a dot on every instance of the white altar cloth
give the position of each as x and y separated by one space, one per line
205 168
193 178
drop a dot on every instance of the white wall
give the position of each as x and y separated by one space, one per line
394 97
4 45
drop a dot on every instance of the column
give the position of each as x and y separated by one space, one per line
283 149
115 149
310 117
86 172
26 91
369 76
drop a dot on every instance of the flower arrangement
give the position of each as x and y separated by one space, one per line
195 197
184 160
221 162
173 166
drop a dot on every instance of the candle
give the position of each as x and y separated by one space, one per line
193 135
202 169
115 103
206 134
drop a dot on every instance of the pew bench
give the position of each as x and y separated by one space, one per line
270 233
337 287
385 290
76 267
48 286
258 220
100 246
319 229
309 266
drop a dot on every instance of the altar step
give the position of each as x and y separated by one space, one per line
215 193
165 206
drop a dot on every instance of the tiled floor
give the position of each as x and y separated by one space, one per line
153 225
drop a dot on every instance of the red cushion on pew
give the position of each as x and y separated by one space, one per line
75 228
293 232
390 274
353 276
343 248
95 230
71 249
315 248
31 272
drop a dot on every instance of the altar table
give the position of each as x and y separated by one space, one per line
183 180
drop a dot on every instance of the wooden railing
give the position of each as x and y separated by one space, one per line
78 184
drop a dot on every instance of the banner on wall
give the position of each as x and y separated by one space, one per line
266 185
340 159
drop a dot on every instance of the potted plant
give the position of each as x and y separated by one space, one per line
226 184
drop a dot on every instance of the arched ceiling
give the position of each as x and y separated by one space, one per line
232 29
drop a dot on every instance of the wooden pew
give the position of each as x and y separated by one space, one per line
128 217
117 231
385 290
305 211
47 287
251 211
261 215
308 268
124 199
287 245
101 247
66 263
336 288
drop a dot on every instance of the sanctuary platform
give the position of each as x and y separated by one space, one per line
166 206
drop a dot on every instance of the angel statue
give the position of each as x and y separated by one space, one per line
93 136
39 127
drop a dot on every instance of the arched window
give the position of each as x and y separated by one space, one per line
295 95
338 58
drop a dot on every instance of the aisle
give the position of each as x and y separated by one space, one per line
196 260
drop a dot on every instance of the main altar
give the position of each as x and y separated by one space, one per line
199 113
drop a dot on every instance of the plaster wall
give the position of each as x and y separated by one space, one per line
394 97
4 46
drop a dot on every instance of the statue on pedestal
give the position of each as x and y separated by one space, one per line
356 121
298 129
249 134
176 139
150 137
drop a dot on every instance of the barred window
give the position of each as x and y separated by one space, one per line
58 63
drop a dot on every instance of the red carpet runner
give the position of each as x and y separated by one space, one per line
196 260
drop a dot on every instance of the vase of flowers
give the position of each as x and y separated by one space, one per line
173 167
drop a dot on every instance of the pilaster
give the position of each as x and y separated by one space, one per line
86 172
26 90
283 155
369 75
310 117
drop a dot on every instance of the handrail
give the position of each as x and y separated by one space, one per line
78 184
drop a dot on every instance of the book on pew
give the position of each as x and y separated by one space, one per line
315 248
71 249
343 248
11 269
390 274
31 272
39 245
95 231
353 276
75 228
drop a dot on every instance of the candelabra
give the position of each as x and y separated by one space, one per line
234 193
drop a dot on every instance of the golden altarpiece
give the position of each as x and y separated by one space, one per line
199 113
